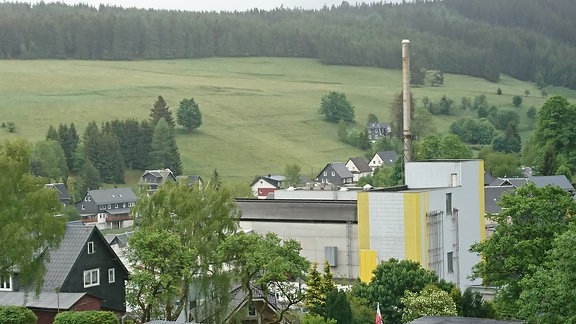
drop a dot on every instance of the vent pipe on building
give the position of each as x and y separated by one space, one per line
406 99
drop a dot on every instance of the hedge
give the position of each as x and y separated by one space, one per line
86 317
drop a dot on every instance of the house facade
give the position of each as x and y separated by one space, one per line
63 193
377 131
263 186
359 168
83 273
107 208
387 158
150 180
335 173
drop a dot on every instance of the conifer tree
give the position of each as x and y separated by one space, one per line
161 110
165 153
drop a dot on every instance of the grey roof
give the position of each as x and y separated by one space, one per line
492 195
515 182
162 174
61 188
388 157
377 125
272 181
120 239
46 300
341 170
488 178
111 196
554 180
190 179
458 320
361 164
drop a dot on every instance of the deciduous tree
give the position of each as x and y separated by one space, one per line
27 209
335 106
431 301
189 115
292 174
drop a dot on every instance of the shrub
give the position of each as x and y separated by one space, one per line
86 317
17 315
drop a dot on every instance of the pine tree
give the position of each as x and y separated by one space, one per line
161 110
165 153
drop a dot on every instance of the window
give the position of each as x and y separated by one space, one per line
83 207
450 259
325 173
116 206
5 283
91 278
111 275
333 173
251 310
449 203
109 206
90 247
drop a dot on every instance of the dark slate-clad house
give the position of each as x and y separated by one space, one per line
83 273
150 180
107 208
377 130
63 193
335 173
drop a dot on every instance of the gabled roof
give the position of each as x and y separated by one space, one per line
492 195
239 299
44 300
111 196
159 174
388 157
361 164
272 181
61 188
515 182
63 259
488 178
554 180
190 179
340 169
377 125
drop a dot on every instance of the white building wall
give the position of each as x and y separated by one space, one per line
387 225
316 194
314 237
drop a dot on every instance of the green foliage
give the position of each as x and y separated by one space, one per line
472 305
509 142
397 113
335 107
517 101
181 227
160 110
500 164
371 118
362 313
165 152
48 161
316 319
17 315
189 115
265 262
531 112
292 174
102 149
473 131
443 107
391 279
547 294
447 146
338 307
86 317
499 91
431 301
435 78
525 228
318 286
11 126
27 215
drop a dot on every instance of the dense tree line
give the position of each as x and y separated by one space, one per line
479 38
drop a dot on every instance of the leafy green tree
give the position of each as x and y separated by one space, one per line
397 113
447 146
292 174
516 101
17 315
473 131
316 319
531 113
160 110
499 91
191 222
500 164
472 305
69 140
504 118
318 286
417 75
547 294
268 263
371 118
338 307
335 107
27 212
189 115
362 313
435 78
525 228
165 153
431 301
342 131
391 279
50 161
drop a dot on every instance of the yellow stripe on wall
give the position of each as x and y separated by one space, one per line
412 227
482 207
363 221
368 262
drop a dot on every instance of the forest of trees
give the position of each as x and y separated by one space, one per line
527 39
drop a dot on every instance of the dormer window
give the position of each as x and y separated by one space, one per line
90 247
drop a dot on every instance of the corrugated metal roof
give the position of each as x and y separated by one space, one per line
47 300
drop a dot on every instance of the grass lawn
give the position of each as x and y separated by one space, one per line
259 114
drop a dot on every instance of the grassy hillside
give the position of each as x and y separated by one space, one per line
259 113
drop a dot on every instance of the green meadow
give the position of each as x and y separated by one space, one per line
259 114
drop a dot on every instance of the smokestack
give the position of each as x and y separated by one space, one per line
406 99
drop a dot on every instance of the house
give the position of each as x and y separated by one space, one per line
191 180
386 158
83 273
63 193
150 180
335 173
377 130
359 168
107 208
263 186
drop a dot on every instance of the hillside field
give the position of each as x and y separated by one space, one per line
259 114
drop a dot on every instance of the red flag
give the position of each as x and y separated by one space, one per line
378 316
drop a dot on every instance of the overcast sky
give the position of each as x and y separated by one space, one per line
209 5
